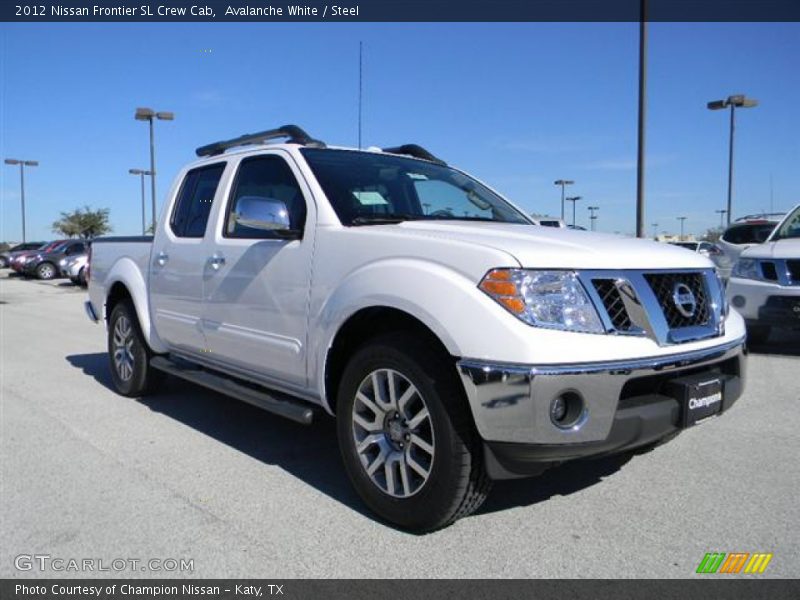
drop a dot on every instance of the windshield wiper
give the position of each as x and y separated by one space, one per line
385 219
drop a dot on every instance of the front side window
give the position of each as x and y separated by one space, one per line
369 187
190 215
267 190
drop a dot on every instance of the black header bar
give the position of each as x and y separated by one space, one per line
339 11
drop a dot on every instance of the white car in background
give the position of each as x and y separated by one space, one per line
740 235
548 221
765 282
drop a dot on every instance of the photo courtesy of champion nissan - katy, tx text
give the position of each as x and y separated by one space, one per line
454 341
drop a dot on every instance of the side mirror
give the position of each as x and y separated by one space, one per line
264 214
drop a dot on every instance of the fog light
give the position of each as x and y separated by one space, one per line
738 301
567 410
558 409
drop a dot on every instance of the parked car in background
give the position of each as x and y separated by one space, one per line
548 221
17 262
75 269
765 282
704 248
740 235
5 257
47 265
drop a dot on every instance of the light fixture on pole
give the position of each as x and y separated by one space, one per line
592 216
148 114
732 102
682 219
721 212
573 199
142 173
22 164
563 183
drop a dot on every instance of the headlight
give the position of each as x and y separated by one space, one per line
746 268
62 262
554 299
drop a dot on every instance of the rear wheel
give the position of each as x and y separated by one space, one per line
129 353
46 271
406 437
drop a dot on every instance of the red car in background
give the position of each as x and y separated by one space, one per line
17 262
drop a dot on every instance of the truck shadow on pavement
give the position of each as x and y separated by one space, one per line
311 453
780 343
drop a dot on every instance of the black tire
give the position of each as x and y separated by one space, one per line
130 370
81 279
457 483
46 271
757 334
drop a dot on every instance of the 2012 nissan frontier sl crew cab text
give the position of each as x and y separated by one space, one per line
454 341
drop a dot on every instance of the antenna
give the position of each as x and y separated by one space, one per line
771 195
360 87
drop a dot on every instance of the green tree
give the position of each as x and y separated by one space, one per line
712 235
83 222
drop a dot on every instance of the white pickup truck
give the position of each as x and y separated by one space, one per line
454 341
765 282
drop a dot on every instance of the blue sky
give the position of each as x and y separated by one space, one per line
517 105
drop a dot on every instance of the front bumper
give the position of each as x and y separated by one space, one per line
627 404
765 303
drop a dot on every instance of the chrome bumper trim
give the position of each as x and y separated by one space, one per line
511 402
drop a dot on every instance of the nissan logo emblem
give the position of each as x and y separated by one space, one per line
684 300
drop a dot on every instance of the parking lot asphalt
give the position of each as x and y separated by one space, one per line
191 474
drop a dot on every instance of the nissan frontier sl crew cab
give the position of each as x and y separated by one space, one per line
454 341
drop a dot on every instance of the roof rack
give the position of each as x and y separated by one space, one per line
295 134
761 216
416 151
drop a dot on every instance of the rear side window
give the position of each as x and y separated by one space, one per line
190 215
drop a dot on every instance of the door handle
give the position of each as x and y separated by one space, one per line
216 261
161 259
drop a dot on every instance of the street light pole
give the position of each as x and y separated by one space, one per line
148 114
641 121
141 173
721 212
574 200
592 216
732 102
562 183
22 164
681 219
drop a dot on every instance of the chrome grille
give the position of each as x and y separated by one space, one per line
769 271
612 302
793 267
663 286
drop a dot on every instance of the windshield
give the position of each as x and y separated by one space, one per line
790 227
371 188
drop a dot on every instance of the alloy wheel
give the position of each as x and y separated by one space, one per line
123 348
393 433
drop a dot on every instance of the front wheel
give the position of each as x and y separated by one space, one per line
46 271
406 436
129 353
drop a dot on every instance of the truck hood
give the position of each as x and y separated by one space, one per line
788 248
549 247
